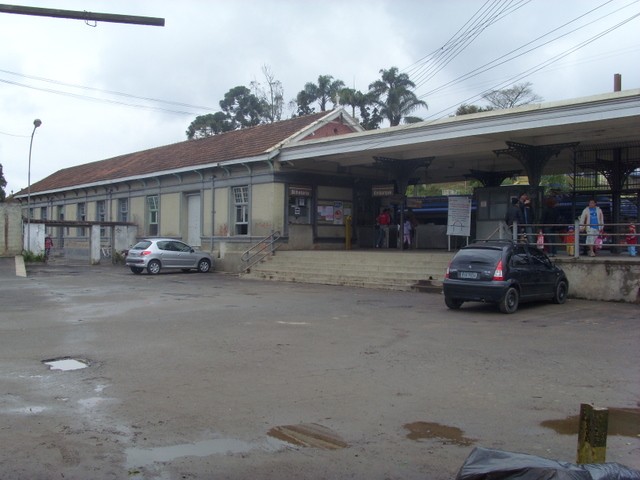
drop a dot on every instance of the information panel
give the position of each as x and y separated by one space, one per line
459 218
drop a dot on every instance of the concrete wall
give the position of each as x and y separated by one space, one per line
170 215
267 209
10 229
608 279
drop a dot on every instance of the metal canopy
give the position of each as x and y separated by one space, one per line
462 144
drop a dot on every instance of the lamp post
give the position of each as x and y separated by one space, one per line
36 123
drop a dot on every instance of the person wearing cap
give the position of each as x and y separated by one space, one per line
632 240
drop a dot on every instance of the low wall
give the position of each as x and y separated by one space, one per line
10 229
602 278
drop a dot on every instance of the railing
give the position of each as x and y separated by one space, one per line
258 252
572 238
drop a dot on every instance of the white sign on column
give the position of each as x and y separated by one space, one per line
459 217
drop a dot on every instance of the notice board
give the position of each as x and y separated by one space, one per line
459 217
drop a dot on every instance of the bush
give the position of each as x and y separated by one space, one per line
30 257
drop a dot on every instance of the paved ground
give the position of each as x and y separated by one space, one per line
203 376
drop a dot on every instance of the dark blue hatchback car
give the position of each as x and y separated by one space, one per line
505 273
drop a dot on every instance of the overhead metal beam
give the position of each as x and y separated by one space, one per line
78 15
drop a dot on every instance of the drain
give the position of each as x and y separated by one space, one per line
66 364
308 435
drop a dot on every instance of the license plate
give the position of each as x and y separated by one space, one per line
468 274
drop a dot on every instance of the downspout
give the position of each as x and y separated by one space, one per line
213 211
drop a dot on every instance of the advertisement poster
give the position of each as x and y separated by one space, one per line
459 219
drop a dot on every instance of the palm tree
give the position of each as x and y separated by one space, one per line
326 90
394 96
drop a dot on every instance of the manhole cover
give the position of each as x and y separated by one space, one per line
308 435
65 364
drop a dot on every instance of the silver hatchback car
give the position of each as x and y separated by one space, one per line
155 254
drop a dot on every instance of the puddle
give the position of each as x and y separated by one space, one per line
138 457
449 435
624 422
65 364
308 435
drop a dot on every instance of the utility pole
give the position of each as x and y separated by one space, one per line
78 15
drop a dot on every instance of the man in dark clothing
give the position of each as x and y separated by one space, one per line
550 219
527 217
513 213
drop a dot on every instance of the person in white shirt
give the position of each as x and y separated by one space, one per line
592 220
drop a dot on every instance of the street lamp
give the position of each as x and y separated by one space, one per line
36 123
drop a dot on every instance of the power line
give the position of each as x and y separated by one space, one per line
481 20
542 65
98 90
495 63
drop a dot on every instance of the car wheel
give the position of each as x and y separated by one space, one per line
561 292
136 270
204 265
153 267
509 302
452 303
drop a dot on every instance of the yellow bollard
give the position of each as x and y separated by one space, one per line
592 434
347 232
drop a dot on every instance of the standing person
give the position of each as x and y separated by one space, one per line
632 240
550 220
48 245
527 217
407 229
514 214
382 223
592 220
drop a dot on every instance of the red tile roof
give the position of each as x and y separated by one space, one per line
227 146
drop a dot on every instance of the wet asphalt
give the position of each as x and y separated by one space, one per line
190 375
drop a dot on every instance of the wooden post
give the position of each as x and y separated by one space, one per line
592 434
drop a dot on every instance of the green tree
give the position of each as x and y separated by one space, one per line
515 96
243 108
326 90
3 184
208 125
367 111
394 96
303 102
465 109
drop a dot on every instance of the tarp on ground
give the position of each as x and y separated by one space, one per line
489 464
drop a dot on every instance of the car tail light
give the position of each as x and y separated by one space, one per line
497 274
145 252
446 274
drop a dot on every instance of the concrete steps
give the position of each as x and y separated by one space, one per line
381 269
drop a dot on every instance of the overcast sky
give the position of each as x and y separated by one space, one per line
65 72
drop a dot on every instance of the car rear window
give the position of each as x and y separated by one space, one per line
141 245
489 256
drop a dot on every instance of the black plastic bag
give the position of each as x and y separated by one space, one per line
488 464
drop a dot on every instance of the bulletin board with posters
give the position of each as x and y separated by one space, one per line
332 212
